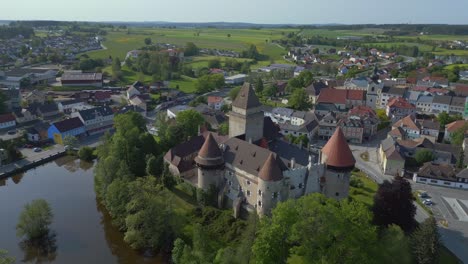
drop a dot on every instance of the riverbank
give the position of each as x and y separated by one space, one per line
32 160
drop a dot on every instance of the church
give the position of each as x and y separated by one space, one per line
253 168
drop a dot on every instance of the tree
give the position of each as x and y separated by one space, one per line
86 153
425 242
393 204
245 68
315 51
299 100
116 200
270 90
148 41
191 49
228 35
117 69
457 137
224 128
190 121
3 99
394 246
70 141
251 53
461 159
153 167
259 86
234 92
423 155
214 64
208 83
34 220
316 229
4 259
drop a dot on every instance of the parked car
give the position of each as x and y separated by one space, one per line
28 146
37 149
428 202
423 195
11 132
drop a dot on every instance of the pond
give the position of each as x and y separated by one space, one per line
84 233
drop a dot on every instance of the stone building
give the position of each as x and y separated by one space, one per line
252 171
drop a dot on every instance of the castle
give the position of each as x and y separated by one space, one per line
253 168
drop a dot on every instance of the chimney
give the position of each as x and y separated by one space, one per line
293 162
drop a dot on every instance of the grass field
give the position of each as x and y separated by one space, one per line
119 43
461 66
186 84
364 194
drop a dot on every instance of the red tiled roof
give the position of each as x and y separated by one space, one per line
400 103
337 152
331 95
454 126
361 110
7 118
462 90
355 95
214 99
100 95
408 121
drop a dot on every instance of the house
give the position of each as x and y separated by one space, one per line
353 128
215 102
391 161
368 118
430 129
47 110
14 78
68 127
102 97
457 105
137 100
461 90
35 97
301 123
279 115
96 120
212 117
333 96
313 90
78 78
132 91
453 127
463 75
38 133
174 111
133 108
398 108
69 105
442 175
7 121
441 103
23 116
235 79
327 125
389 93
13 98
424 104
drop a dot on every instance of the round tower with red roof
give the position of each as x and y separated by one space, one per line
339 161
270 185
210 163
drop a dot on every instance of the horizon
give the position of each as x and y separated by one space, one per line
301 12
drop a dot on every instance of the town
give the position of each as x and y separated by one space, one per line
236 133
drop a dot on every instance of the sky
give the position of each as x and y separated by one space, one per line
252 11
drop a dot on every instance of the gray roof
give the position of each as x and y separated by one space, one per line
430 124
463 174
76 76
414 95
394 91
282 111
93 113
442 99
246 98
288 151
458 101
387 143
425 99
70 102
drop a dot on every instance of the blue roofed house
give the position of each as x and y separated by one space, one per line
68 127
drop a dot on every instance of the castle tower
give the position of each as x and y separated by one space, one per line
339 161
246 116
210 163
270 185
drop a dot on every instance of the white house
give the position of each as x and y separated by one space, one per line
132 91
173 111
441 103
215 102
424 104
69 106
7 121
235 79
441 175
96 120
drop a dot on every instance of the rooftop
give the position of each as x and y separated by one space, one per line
336 152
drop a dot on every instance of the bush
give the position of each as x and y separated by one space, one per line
86 153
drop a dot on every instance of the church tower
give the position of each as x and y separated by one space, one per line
339 161
210 163
246 117
374 89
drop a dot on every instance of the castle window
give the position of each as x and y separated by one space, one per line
260 203
230 183
337 194
274 195
260 192
248 193
300 186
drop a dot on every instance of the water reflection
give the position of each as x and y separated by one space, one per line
17 178
40 250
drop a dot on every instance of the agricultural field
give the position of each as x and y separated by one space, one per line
119 43
452 67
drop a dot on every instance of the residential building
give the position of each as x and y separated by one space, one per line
441 103
13 98
457 105
453 127
327 126
342 99
96 120
368 119
442 175
389 93
313 90
14 78
138 100
424 104
68 127
374 91
47 111
35 97
69 106
23 116
102 97
74 78
132 91
398 108
235 79
7 121
391 161
215 102
38 133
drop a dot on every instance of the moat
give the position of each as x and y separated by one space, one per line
84 233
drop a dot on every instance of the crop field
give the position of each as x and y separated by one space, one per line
119 43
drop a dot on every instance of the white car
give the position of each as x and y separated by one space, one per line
428 202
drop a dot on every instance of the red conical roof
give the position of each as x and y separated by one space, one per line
336 152
210 154
270 170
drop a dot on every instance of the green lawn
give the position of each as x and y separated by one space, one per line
461 66
119 43
364 194
186 84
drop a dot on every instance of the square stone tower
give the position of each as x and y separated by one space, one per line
246 116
